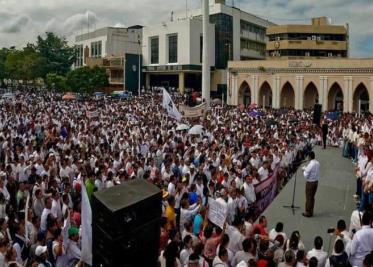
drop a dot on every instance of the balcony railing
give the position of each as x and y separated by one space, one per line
116 80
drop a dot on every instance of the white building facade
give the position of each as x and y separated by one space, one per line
172 53
237 35
118 50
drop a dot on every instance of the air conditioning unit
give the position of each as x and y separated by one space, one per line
307 54
318 38
330 54
314 37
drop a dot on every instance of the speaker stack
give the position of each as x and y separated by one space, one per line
125 225
317 114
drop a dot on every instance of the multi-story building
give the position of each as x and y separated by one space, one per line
318 40
118 50
235 35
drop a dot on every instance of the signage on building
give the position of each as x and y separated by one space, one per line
300 64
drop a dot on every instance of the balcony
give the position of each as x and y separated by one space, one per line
93 61
116 62
116 80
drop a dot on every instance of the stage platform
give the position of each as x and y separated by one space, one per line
334 199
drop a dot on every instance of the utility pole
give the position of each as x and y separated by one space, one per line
205 55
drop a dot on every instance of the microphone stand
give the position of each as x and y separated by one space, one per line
292 206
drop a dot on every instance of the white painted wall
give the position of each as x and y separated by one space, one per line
188 32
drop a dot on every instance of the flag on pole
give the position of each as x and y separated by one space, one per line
86 227
170 106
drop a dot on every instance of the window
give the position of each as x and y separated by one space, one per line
172 48
154 50
79 55
96 49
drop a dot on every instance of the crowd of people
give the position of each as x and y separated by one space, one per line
50 149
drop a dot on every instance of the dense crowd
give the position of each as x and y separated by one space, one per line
50 149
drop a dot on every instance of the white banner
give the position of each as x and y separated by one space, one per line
86 227
217 212
170 106
192 112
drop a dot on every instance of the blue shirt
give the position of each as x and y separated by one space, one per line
197 224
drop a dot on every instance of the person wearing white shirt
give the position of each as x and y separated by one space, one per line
278 230
312 174
171 188
235 236
249 190
185 253
45 213
245 254
318 253
187 212
362 242
263 171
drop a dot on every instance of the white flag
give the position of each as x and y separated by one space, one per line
170 106
86 227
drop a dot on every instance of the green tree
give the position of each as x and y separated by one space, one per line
3 55
56 82
58 55
99 79
23 64
87 80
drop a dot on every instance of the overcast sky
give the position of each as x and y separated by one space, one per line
22 21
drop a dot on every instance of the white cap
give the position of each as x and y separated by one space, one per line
40 250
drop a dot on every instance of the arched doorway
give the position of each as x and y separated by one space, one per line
310 96
265 95
287 96
335 98
244 94
361 99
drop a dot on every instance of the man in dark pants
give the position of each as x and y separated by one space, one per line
312 174
324 133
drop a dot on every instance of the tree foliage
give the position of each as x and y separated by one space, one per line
23 64
56 82
58 56
87 80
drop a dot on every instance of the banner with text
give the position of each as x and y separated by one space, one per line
266 192
217 213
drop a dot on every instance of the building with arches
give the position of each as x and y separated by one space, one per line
338 84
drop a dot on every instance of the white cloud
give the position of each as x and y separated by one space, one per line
15 25
69 17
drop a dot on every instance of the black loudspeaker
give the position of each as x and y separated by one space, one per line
317 114
126 225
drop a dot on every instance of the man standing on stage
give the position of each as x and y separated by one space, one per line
324 133
312 174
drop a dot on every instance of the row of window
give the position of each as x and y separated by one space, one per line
251 45
307 36
308 53
172 49
247 26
